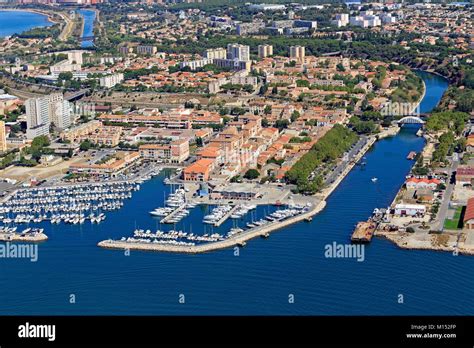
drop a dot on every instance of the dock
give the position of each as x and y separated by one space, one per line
166 219
19 237
226 216
237 240
364 232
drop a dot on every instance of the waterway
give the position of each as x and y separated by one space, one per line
17 22
261 277
88 31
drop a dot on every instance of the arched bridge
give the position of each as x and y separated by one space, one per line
411 120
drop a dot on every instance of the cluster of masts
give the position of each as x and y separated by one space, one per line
177 235
175 204
217 214
242 210
67 204
30 231
280 215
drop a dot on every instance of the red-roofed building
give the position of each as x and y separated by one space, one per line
199 170
469 214
464 174
415 183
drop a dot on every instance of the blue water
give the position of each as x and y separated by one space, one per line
260 279
436 86
16 22
89 18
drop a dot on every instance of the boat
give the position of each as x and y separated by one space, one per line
374 179
411 155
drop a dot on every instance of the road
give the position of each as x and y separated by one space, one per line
346 159
443 209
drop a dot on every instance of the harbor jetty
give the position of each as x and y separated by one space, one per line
239 239
31 236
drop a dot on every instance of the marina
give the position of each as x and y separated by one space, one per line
71 204
183 242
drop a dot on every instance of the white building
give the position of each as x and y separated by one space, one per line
37 117
388 19
410 209
297 53
41 112
366 20
267 7
110 81
238 52
75 57
215 53
265 51
195 64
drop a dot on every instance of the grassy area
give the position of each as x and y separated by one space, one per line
456 222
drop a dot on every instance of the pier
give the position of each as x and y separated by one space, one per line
364 232
166 219
226 216
236 240
19 237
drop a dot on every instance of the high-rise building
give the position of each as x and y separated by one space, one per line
41 112
238 52
37 117
265 51
3 137
297 53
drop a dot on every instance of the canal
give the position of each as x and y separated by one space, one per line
88 31
260 278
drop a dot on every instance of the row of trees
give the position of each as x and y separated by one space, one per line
330 147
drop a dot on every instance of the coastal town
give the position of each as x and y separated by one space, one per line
240 118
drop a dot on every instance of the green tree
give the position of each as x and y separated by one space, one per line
251 174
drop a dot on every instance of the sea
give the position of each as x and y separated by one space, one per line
17 22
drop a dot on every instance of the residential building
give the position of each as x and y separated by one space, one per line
342 19
146 49
305 24
250 28
174 152
423 183
196 64
199 170
238 52
110 81
265 51
215 53
38 118
297 53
